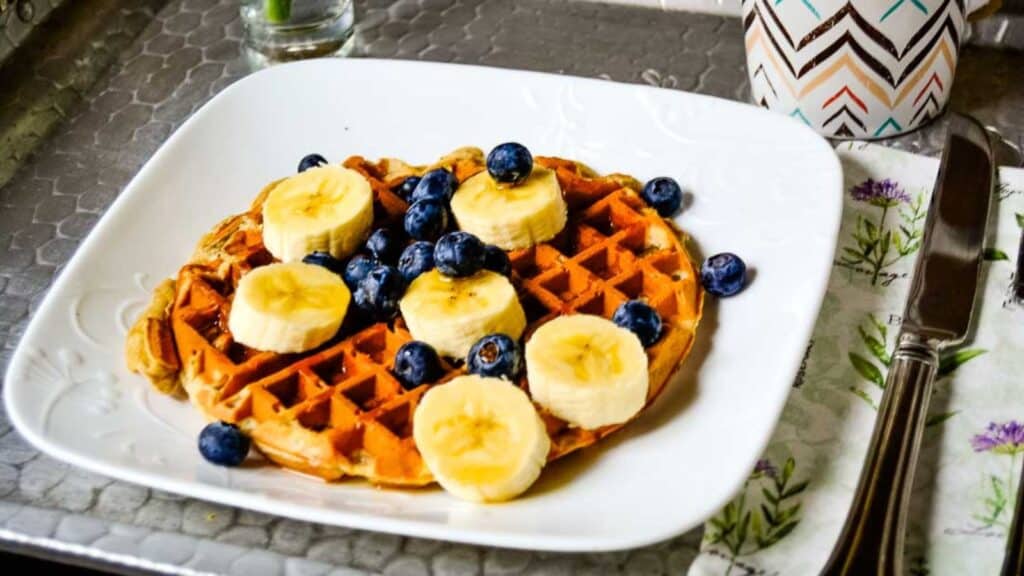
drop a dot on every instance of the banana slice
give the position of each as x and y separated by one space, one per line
290 307
481 438
329 208
511 217
587 371
451 314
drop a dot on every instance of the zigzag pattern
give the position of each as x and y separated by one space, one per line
847 76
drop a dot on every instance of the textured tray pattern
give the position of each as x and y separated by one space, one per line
187 54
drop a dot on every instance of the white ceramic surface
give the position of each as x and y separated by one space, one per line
764 186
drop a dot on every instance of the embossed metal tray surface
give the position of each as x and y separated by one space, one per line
763 186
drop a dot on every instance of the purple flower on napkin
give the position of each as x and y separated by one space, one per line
764 467
877 242
885 193
1005 438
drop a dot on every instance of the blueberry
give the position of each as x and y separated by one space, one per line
426 220
357 269
459 254
416 259
326 260
640 319
496 260
223 444
416 363
378 294
509 163
664 195
311 161
437 185
494 355
385 244
723 274
407 186
356 320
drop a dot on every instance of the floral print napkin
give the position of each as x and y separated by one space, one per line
790 512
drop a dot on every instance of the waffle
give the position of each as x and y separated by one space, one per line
338 411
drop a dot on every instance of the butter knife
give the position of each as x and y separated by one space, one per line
1013 562
937 314
1018 277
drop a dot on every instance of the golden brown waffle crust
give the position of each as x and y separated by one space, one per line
337 411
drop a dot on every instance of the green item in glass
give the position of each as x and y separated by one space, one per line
278 11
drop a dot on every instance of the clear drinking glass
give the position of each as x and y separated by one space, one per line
285 30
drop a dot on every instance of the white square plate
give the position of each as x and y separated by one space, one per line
764 186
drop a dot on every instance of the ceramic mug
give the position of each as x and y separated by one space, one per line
854 68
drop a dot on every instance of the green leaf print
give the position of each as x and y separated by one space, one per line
995 255
948 363
873 335
875 346
940 418
994 504
744 529
877 244
883 331
1020 219
1001 439
793 491
864 396
867 370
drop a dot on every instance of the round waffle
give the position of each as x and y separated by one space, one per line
338 411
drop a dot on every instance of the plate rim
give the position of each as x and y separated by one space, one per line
363 520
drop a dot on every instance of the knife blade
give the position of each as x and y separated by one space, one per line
941 300
938 313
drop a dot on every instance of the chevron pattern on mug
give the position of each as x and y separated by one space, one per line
857 68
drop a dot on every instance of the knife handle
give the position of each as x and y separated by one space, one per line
1013 562
872 539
